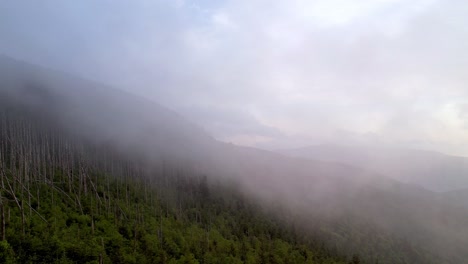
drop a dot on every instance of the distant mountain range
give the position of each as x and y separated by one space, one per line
431 170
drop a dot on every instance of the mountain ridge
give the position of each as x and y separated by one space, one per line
432 170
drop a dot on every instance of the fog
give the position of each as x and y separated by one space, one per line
240 90
268 74
330 200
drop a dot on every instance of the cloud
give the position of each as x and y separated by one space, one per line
264 72
230 123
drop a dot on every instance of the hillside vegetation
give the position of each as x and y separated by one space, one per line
66 201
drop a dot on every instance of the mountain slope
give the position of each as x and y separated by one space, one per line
145 227
345 209
93 196
98 113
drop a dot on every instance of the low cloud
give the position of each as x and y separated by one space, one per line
260 72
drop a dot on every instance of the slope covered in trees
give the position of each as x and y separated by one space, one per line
88 150
64 200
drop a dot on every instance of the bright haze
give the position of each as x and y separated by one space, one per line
270 74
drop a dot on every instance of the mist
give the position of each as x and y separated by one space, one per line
276 75
344 120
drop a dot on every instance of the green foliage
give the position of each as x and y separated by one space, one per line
191 228
6 253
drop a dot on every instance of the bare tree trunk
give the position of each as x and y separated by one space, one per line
2 230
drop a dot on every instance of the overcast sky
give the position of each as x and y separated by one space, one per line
271 74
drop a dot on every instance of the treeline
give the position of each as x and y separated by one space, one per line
65 199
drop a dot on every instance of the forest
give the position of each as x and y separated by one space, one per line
65 200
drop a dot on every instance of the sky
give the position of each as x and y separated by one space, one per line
269 74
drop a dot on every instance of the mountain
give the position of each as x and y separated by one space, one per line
431 170
83 148
67 201
90 174
98 113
